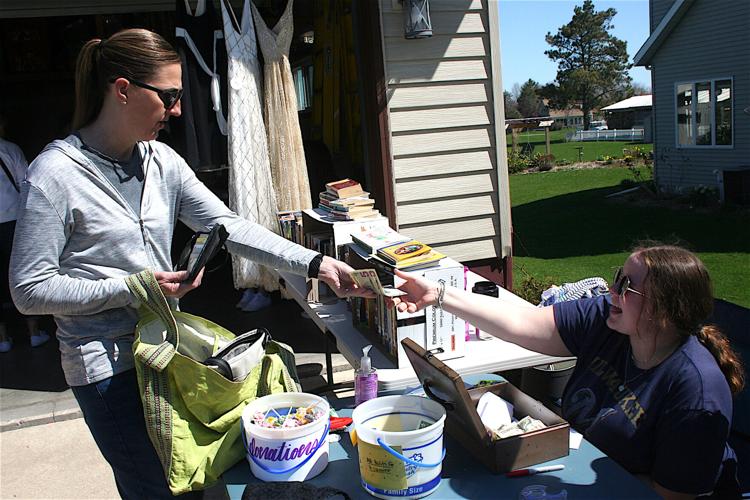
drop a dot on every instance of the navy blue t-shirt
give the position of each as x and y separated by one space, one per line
670 422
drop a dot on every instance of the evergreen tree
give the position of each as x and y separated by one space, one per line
529 103
511 108
592 64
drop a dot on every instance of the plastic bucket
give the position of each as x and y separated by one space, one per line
547 382
400 445
286 454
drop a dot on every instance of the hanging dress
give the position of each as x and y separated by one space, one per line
288 166
199 134
251 193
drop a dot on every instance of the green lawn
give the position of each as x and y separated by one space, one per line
567 230
568 150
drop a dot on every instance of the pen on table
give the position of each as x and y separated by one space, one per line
534 470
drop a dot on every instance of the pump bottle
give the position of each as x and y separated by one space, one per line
365 379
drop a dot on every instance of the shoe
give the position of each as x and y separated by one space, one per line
39 339
6 345
261 300
247 296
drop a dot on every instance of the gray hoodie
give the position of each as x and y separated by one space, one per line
77 239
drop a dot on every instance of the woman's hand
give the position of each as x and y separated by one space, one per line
420 293
337 275
171 283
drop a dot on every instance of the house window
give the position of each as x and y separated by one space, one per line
704 113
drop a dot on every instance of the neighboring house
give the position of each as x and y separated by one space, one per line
571 117
699 56
633 112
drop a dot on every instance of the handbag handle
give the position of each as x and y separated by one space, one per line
146 288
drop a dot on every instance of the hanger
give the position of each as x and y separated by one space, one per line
233 18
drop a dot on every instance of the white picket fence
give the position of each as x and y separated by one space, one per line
633 134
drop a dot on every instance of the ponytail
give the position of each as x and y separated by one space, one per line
727 359
89 88
132 53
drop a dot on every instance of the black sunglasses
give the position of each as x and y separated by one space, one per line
621 284
169 97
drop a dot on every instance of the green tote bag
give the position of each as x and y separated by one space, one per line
192 412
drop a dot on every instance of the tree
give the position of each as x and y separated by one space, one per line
529 103
511 108
640 89
592 64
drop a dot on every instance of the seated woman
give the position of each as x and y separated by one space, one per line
653 385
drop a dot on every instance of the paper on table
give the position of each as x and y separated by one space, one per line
575 439
494 411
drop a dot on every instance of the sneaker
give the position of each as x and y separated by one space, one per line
6 345
246 298
39 339
260 301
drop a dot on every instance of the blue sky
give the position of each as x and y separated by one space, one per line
524 23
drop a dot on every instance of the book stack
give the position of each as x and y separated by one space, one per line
346 200
410 255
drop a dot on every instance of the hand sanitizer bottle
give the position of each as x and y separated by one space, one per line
365 379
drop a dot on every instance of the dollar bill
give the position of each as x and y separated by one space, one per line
368 278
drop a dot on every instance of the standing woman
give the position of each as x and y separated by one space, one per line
653 385
102 204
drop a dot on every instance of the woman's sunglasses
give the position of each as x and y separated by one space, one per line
168 97
621 284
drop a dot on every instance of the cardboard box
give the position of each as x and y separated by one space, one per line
443 330
444 385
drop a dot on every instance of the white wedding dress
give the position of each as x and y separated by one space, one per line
288 166
251 191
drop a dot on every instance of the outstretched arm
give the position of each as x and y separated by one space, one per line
337 275
530 327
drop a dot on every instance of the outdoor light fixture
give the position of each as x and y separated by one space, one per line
417 19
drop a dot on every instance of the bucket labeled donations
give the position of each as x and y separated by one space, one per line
286 436
399 441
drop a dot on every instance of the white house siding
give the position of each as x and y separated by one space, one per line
443 118
711 41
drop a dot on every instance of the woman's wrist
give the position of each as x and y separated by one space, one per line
439 294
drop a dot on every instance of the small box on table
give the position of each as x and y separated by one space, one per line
444 385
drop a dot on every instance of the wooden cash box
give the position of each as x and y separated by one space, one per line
445 386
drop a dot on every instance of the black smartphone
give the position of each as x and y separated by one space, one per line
201 248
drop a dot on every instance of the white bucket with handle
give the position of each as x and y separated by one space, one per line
286 453
399 440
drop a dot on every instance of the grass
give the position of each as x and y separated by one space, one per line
565 230
568 150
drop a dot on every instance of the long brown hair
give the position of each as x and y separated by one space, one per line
132 53
679 289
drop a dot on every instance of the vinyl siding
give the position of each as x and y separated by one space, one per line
443 139
708 43
658 8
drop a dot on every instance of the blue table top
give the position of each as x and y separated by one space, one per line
588 473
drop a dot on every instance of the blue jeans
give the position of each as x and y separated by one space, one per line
113 412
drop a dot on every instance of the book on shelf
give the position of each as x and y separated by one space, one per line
423 261
360 199
402 251
335 215
347 204
344 188
378 237
290 225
